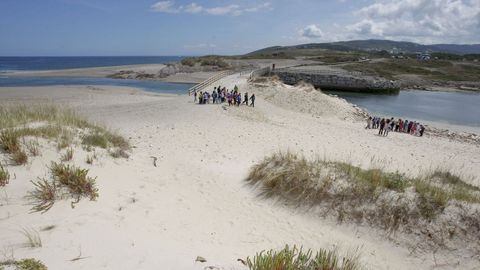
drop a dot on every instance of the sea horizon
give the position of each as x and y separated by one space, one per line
40 63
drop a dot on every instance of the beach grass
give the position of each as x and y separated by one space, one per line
298 259
33 237
19 157
65 179
388 200
75 179
60 124
9 141
68 155
25 264
33 147
4 176
89 159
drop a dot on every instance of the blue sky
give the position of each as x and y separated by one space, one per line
185 27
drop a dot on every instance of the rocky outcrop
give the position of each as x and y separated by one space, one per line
169 69
338 81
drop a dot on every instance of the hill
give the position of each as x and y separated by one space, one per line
373 45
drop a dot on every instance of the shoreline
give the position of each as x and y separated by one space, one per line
108 71
184 77
444 127
194 202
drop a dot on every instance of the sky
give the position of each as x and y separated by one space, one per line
198 27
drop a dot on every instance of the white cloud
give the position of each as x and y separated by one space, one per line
231 9
427 21
311 31
164 6
194 8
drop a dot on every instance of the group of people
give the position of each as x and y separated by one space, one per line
385 125
222 95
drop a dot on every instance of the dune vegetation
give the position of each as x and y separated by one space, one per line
50 122
66 181
298 259
4 176
439 206
24 130
25 264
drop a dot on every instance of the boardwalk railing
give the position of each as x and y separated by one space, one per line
321 72
209 81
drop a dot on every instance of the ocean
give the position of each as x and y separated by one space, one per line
12 64
15 64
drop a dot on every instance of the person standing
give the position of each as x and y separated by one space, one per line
369 123
252 99
239 99
387 127
246 98
422 130
382 126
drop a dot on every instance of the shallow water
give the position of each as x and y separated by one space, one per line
458 108
151 86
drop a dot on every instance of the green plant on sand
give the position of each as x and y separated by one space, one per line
4 176
55 123
68 179
25 264
298 259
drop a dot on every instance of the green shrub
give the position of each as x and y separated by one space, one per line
188 62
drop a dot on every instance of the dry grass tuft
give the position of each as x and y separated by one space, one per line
119 153
4 176
33 237
68 155
66 180
19 157
391 201
89 160
9 141
33 148
297 259
44 195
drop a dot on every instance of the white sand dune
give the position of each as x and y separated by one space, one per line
195 203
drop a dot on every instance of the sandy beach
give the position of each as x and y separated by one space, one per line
195 202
